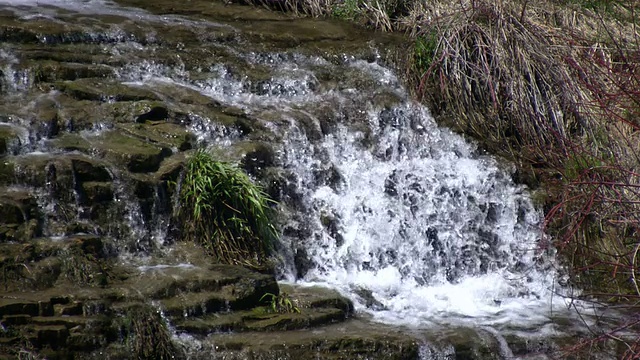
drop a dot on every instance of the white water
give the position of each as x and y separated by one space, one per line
435 232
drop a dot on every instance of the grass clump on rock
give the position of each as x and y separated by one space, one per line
224 211
146 334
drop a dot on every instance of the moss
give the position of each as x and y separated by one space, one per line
136 154
71 142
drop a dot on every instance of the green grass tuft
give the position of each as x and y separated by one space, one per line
223 210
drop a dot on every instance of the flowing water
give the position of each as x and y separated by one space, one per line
412 222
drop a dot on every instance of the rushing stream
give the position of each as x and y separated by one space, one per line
410 221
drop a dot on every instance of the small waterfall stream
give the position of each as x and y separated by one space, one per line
413 223
420 222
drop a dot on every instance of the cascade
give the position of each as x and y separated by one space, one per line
417 221
415 225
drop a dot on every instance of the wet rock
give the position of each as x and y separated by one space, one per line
71 142
96 192
53 336
351 340
163 134
52 71
294 321
41 169
13 320
390 184
7 171
12 211
257 159
302 262
317 297
18 307
87 244
84 342
9 140
316 306
369 300
171 167
18 216
156 113
280 185
89 170
99 89
72 309
44 274
136 155
331 223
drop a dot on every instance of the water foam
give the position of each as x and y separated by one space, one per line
429 228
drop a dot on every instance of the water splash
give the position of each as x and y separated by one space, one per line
411 218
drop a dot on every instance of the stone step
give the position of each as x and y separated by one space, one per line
195 304
260 321
353 339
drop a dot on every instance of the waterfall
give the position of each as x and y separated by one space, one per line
415 223
411 221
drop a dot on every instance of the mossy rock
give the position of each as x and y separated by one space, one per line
71 142
295 320
319 297
344 341
53 71
89 170
41 169
161 133
19 211
171 167
241 286
96 192
137 155
98 89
